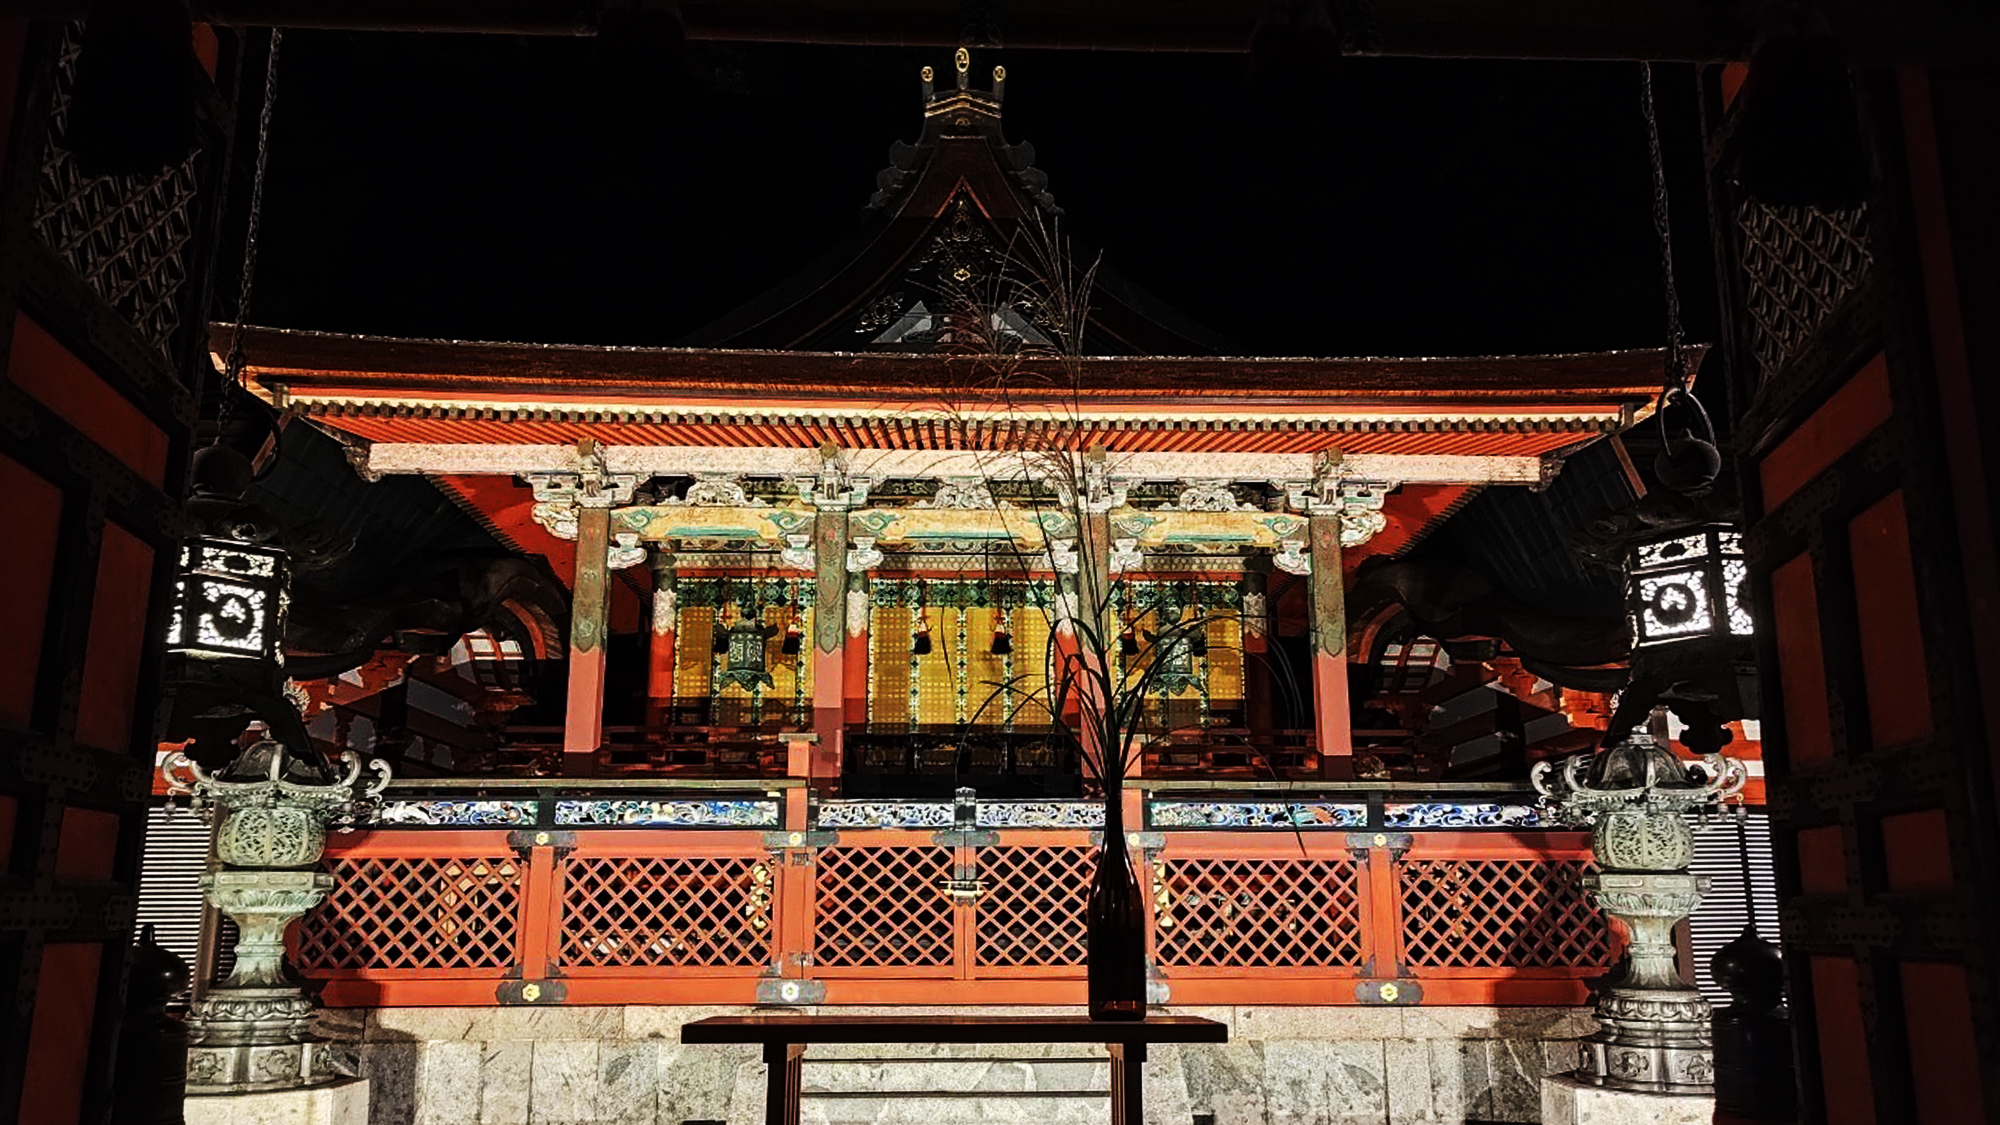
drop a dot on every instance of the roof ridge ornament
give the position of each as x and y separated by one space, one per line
962 100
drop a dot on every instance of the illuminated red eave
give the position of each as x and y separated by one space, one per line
311 365
891 435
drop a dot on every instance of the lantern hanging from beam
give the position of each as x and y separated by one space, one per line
1688 587
230 602
1687 596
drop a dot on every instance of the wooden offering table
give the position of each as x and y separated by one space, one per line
785 1039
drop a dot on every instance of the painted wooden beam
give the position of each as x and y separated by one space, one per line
389 458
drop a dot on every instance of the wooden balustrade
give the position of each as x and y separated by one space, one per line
581 914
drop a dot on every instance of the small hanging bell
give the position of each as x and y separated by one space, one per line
1003 641
793 636
1128 642
920 641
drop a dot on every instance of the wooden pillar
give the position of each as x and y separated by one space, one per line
1257 652
660 655
829 653
1332 730
856 653
583 724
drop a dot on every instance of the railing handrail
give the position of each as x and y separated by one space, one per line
585 786
1314 786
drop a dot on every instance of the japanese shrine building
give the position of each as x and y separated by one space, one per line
685 726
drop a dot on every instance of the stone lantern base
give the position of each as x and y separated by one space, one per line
263 1067
250 1033
338 1103
1651 1041
1568 1101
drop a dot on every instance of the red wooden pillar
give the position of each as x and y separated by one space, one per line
1256 653
660 655
855 651
1332 731
829 650
583 724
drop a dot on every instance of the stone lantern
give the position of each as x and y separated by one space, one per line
271 810
1636 795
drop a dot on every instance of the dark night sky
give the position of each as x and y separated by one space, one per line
566 191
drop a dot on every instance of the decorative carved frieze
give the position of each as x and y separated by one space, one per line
864 555
1212 495
798 552
834 485
625 551
857 612
1062 556
961 492
1292 558
557 518
1359 505
717 490
1125 555
585 483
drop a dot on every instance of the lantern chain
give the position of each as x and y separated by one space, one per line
1663 228
232 364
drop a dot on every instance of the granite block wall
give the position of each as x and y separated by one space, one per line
1282 1066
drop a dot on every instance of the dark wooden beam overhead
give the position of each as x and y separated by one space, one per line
1909 31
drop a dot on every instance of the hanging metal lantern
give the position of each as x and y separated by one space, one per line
744 665
1174 650
1688 587
1686 592
230 602
225 658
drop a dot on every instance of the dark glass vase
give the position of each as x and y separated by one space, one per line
1115 925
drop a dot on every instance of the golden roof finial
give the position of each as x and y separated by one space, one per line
963 60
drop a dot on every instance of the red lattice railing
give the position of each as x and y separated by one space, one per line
884 916
883 907
407 912
1265 912
1030 914
666 910
1494 913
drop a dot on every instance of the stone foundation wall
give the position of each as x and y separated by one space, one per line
1282 1066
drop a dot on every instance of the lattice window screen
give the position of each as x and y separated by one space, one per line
1032 912
883 907
126 235
415 913
889 666
983 669
1480 913
1799 264
679 911
1280 913
937 680
694 653
1225 658
1725 909
1030 666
